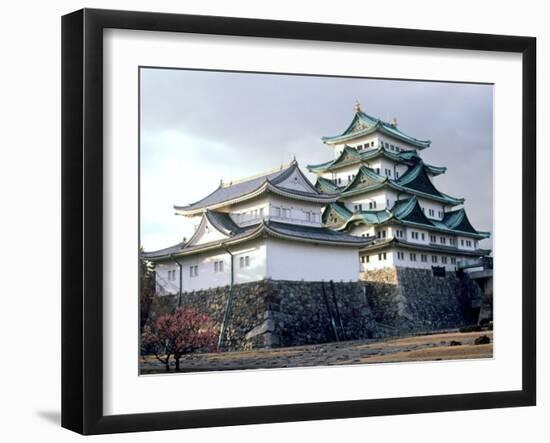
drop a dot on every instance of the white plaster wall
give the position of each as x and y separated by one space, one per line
376 261
310 262
252 211
207 277
426 205
381 198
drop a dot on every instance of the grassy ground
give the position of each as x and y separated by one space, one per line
413 348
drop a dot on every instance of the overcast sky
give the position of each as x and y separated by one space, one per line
198 127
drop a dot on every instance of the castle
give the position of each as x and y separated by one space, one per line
373 216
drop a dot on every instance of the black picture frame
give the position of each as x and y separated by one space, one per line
82 215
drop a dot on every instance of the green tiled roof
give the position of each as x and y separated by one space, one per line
415 181
364 124
408 212
350 156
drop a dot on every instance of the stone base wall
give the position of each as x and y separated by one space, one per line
405 300
272 313
390 301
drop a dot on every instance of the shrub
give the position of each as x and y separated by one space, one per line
482 340
455 343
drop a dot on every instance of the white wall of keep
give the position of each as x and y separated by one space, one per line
307 261
373 200
275 208
249 265
437 208
376 260
409 259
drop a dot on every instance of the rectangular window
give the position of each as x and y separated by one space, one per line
412 256
434 258
444 260
432 238
193 271
367 258
424 258
363 259
277 212
442 240
396 174
378 170
308 216
453 260
241 262
423 236
461 242
384 234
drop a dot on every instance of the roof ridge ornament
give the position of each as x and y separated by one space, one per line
394 122
357 106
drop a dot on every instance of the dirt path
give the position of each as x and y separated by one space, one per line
413 348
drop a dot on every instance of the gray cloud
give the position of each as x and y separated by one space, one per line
265 119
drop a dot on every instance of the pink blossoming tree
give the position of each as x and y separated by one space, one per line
183 332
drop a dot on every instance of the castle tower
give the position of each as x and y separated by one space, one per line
385 190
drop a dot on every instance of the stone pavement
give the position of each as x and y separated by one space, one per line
413 348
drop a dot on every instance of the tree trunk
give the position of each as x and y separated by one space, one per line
177 363
167 365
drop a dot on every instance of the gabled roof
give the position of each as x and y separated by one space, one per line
339 211
326 186
350 156
364 124
416 178
287 231
408 212
272 181
415 181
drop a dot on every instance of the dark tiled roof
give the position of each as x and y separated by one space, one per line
223 222
315 233
232 191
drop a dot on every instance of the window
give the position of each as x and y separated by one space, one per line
367 258
431 212
372 205
434 258
244 262
452 241
444 260
286 213
378 170
400 255
412 256
387 203
414 235
396 174
384 233
423 236
468 243
277 211
218 266
378 234
392 147
453 260
339 180
193 271
399 233
461 242
358 207
386 144
443 240
363 259
424 258
432 238
308 216
372 143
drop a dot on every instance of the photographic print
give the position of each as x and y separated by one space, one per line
300 220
